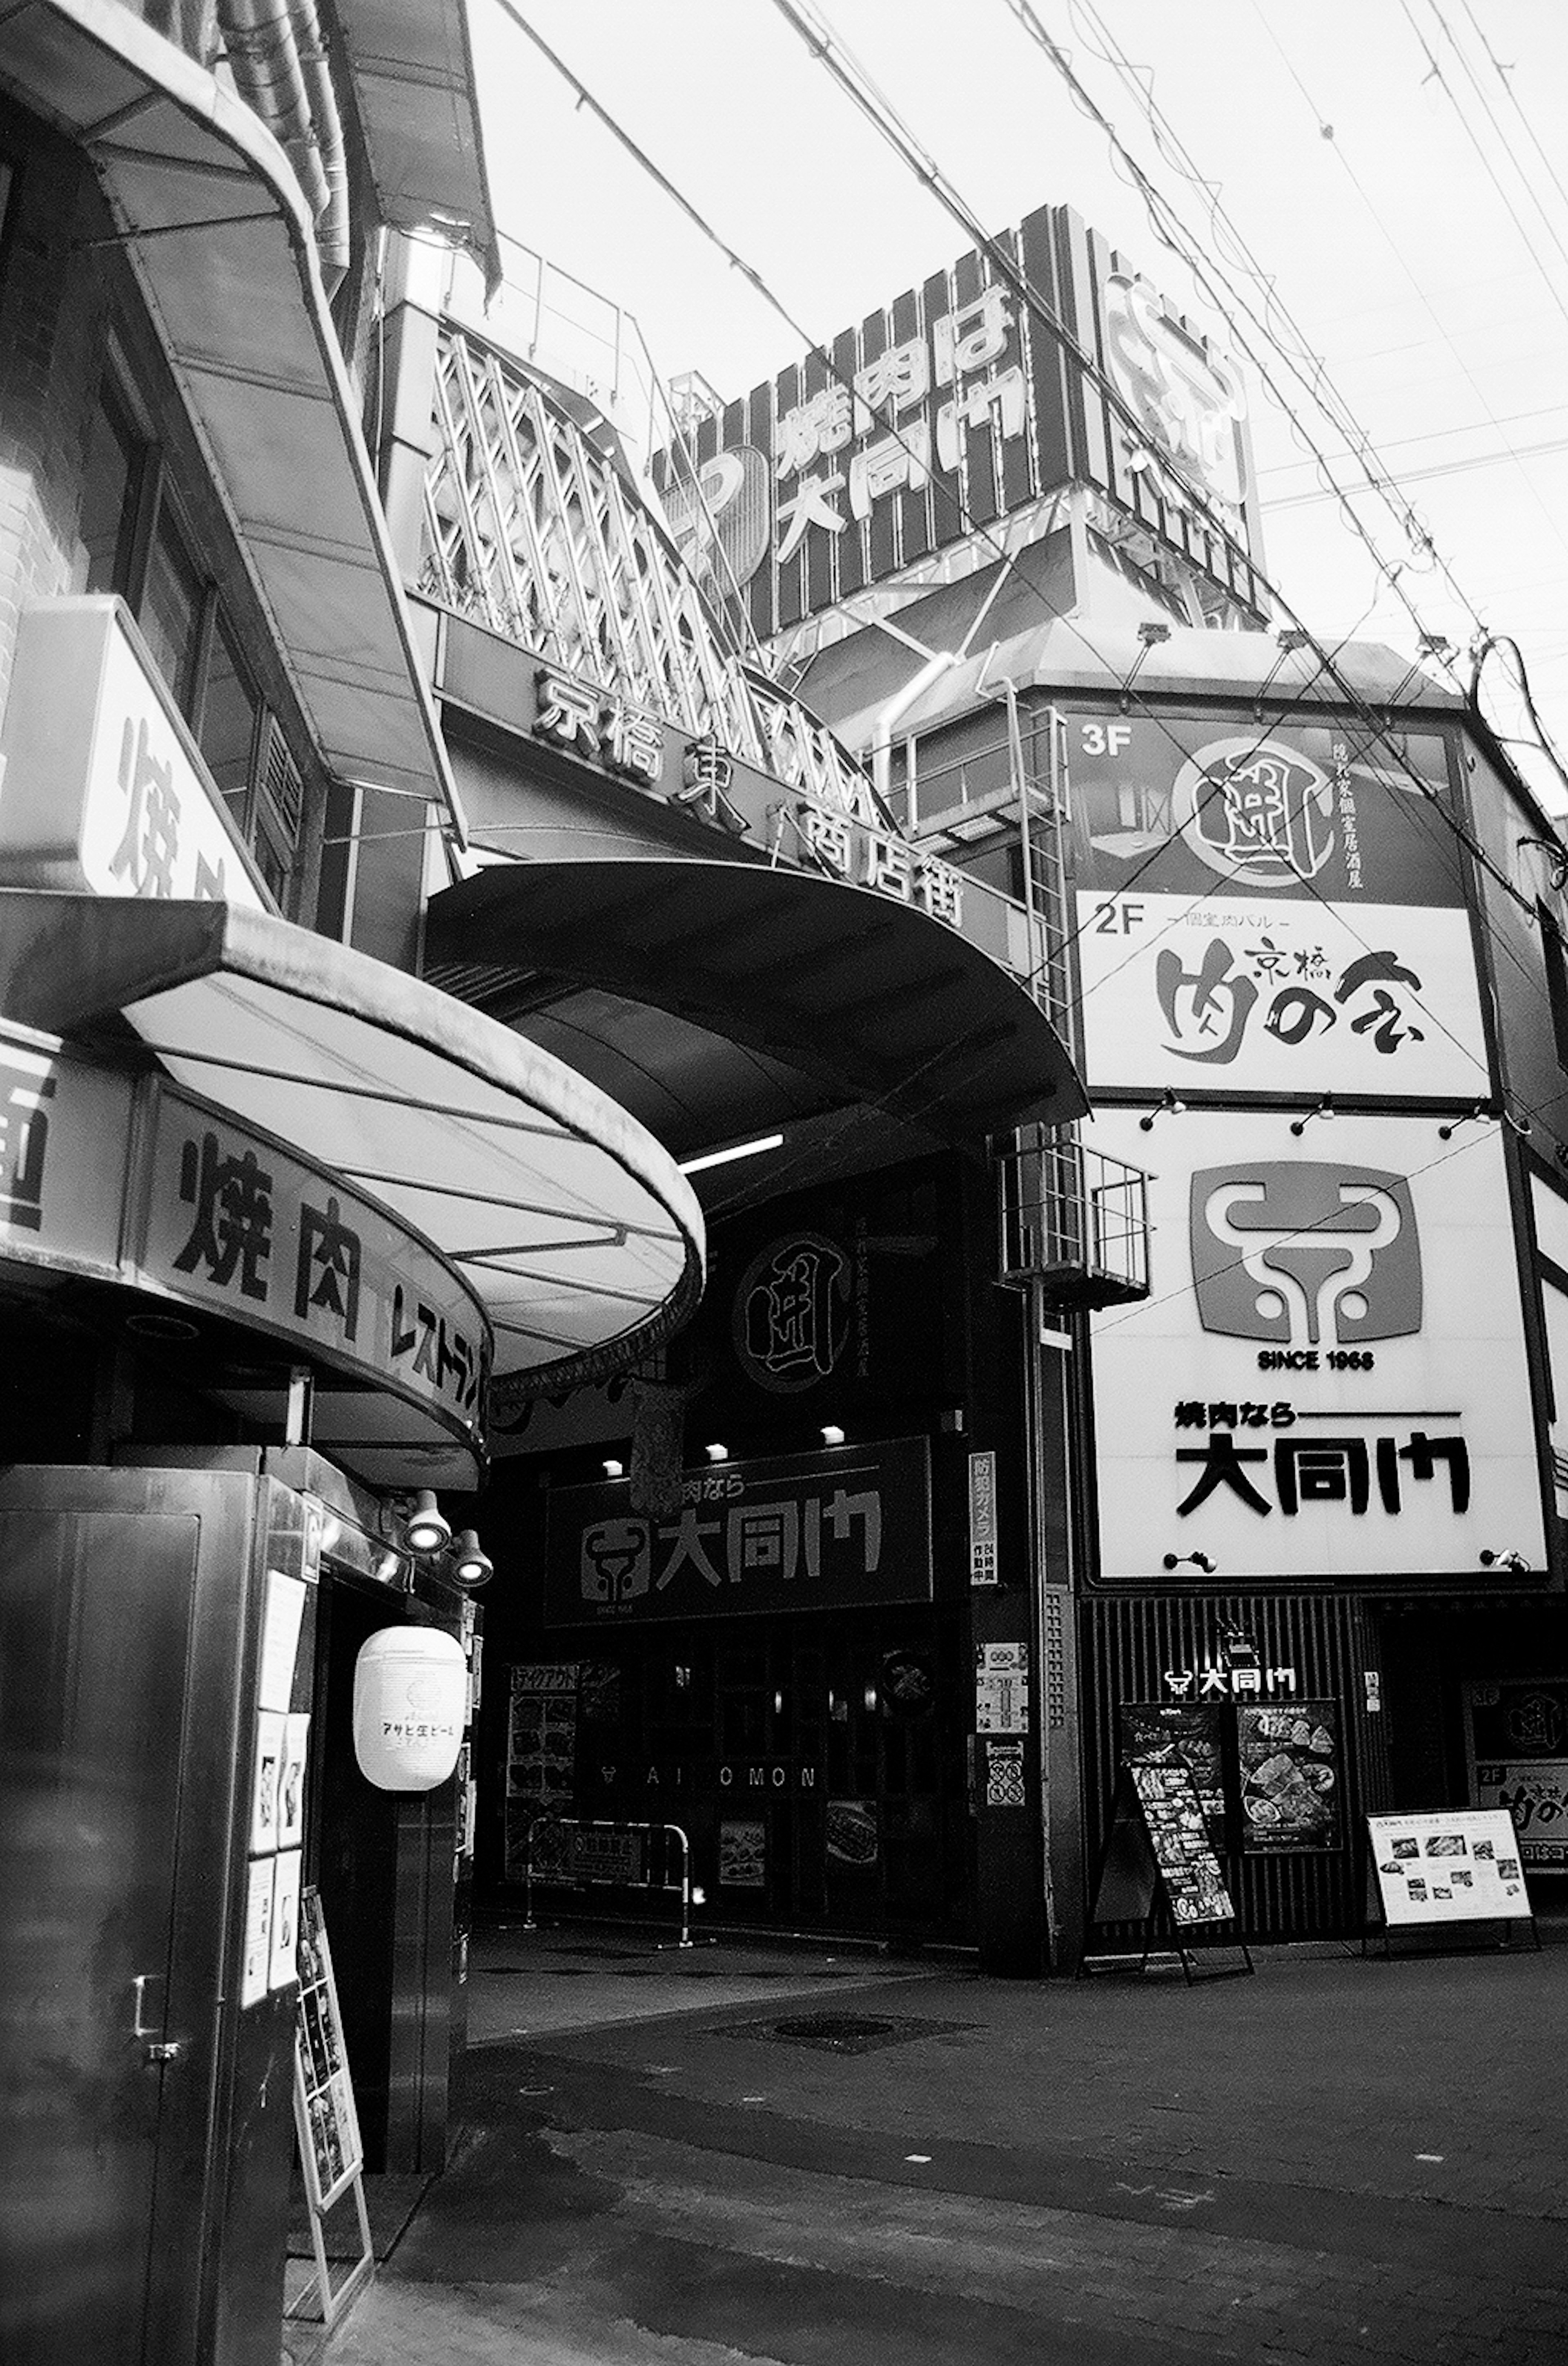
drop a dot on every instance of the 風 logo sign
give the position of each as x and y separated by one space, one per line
791 1312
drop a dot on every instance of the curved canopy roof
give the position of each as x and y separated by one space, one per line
882 1003
577 1231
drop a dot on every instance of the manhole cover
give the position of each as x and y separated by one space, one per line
849 2033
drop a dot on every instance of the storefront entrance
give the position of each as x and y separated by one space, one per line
816 1767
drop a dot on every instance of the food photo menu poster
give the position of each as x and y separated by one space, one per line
1290 1784
1449 1864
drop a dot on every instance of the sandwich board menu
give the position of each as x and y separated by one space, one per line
1449 1864
326 2122
1159 1858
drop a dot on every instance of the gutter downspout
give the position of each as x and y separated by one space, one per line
279 64
887 716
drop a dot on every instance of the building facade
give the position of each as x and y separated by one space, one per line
1281 1496
273 1210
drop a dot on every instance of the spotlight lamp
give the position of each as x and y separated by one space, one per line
1167 1106
425 1528
1324 1110
1199 1560
468 1564
831 1434
1483 1112
716 1453
1514 1561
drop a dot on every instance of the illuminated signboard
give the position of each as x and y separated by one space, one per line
104 786
1329 1377
957 407
798 1532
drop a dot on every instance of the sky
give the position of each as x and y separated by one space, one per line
1376 187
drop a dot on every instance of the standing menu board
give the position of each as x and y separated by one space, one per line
1158 1853
1189 1869
1179 1733
331 2152
1449 1864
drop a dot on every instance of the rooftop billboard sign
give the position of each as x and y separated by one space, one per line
956 409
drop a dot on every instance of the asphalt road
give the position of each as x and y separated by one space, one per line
1333 2160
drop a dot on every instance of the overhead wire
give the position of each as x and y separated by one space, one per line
930 174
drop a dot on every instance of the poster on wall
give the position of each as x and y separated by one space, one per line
1449 1864
541 1752
854 1842
1518 1736
1291 1788
1329 1373
742 1854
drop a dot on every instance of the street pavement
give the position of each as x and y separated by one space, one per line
829 2158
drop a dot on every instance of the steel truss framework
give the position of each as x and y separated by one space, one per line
533 531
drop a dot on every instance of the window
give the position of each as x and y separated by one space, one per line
111 482
132 542
172 609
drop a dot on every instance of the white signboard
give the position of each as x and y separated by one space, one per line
103 784
1449 1864
1001 1688
1277 994
1329 1378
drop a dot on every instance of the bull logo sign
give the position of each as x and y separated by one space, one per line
1305 1254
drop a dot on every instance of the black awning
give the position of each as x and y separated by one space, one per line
874 999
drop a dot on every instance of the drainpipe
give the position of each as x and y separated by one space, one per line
279 65
897 705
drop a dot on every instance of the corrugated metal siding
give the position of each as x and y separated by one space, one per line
1128 1643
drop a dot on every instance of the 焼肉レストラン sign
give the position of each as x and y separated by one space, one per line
1330 1375
847 1527
126 1179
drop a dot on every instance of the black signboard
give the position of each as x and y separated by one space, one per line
1229 810
1158 1853
840 1529
1175 1733
1291 1784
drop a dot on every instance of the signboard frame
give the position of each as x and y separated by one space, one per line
1158 1869
1459 1841
326 2121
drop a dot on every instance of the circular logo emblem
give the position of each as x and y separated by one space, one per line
791 1312
1255 811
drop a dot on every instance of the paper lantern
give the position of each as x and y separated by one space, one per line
411 1702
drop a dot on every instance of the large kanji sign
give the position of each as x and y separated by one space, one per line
1329 1377
838 1530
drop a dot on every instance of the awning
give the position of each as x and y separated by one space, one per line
882 1003
219 235
579 1235
413 78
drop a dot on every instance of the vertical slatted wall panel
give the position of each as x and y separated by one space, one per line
1128 1645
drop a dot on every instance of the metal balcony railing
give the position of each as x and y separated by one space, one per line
1072 1221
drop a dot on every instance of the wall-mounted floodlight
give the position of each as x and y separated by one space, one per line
614 1470
831 1434
468 1564
1167 1106
716 1453
1189 1561
1515 1561
425 1528
1324 1110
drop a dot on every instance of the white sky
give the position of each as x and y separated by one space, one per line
1422 249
